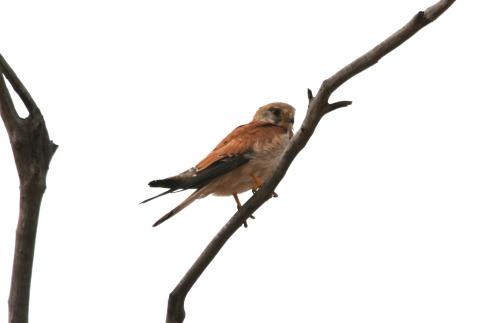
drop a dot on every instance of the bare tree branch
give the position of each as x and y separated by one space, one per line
33 151
318 107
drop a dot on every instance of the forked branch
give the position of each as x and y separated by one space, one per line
33 151
318 107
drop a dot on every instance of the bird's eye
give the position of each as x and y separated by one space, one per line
275 111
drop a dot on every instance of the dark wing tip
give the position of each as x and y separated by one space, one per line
165 183
174 182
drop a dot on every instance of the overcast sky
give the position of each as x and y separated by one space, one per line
390 214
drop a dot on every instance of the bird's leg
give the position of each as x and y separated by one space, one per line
238 205
258 183
236 198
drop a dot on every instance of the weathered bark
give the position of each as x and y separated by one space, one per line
318 107
33 151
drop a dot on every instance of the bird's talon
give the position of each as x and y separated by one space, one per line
245 224
275 194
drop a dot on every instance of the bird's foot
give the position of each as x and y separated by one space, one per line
254 190
245 223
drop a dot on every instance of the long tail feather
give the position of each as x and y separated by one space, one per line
152 198
180 207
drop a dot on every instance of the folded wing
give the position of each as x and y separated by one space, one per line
233 151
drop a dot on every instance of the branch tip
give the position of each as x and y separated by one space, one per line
337 105
310 95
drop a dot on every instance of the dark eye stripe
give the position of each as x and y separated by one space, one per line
275 111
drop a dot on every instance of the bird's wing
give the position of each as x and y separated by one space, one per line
233 151
216 169
241 141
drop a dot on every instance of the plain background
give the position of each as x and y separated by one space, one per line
390 214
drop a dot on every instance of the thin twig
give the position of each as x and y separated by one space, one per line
18 86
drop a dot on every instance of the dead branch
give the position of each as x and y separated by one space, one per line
318 107
33 151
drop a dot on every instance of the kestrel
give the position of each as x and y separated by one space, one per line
242 161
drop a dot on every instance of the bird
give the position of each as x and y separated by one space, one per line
242 161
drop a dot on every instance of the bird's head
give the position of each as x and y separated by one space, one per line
277 113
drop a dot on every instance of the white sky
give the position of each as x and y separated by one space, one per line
390 214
